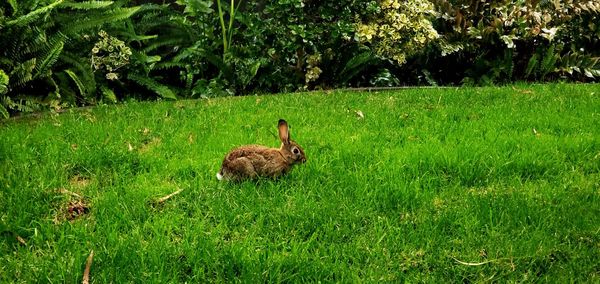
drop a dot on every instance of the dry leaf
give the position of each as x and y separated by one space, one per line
74 146
360 114
129 147
191 138
21 240
535 132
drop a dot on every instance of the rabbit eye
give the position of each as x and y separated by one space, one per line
296 151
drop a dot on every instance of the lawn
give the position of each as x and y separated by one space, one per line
436 185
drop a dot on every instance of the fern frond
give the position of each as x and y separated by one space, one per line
111 16
83 67
78 82
15 7
87 5
108 94
169 65
49 60
355 65
23 72
548 63
158 88
168 42
532 64
33 15
4 111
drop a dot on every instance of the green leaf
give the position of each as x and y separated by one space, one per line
196 7
3 78
4 112
87 5
33 15
158 88
23 72
111 16
80 85
355 65
108 94
14 6
50 59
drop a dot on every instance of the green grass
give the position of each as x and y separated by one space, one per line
426 179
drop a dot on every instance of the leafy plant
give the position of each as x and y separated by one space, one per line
399 29
46 55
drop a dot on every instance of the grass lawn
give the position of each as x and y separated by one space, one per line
436 185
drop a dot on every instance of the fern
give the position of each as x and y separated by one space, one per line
114 15
355 65
23 72
548 63
171 41
77 81
108 94
49 59
87 5
84 69
532 64
158 88
15 7
4 111
33 15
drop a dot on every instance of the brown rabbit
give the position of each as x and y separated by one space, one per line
252 161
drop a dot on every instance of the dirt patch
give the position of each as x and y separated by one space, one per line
73 207
76 209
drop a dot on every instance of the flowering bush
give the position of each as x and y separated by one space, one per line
398 29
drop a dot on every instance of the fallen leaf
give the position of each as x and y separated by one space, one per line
191 138
360 114
74 146
535 132
21 240
129 147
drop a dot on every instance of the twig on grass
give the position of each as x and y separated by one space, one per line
472 263
88 266
163 199
511 259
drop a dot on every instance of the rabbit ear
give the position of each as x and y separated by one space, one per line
284 133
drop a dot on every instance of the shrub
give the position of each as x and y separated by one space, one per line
47 57
502 41
398 29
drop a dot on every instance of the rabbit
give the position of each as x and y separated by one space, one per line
254 161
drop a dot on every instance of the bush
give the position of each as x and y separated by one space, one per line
504 41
